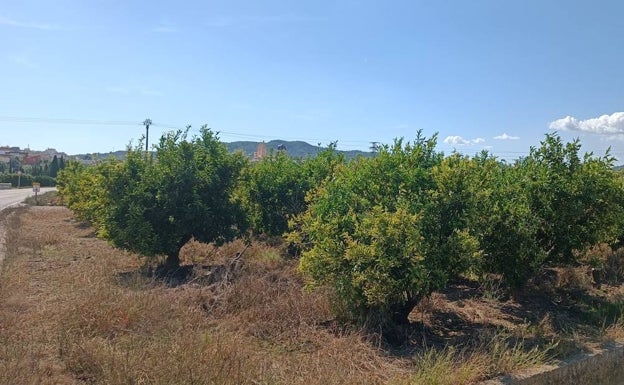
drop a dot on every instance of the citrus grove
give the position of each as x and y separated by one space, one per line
380 232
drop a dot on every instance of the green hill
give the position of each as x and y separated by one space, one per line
297 149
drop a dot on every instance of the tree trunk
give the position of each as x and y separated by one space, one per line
172 263
401 313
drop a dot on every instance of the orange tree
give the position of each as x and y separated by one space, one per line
577 199
384 232
364 234
85 191
273 190
158 204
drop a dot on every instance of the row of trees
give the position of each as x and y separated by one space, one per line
190 188
381 232
386 231
26 180
48 168
42 168
43 172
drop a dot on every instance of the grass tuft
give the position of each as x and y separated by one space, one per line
49 198
75 311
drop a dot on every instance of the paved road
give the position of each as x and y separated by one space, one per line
14 196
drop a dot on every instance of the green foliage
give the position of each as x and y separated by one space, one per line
381 232
457 202
157 205
15 164
548 207
578 201
295 149
26 180
154 205
364 233
509 228
273 190
44 180
384 231
322 166
54 167
85 190
619 182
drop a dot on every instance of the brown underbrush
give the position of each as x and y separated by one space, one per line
73 310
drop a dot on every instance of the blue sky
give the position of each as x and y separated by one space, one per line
81 75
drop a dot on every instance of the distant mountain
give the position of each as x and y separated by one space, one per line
297 149
87 158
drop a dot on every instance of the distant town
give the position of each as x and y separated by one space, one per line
16 159
35 162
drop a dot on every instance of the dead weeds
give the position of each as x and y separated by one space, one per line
75 311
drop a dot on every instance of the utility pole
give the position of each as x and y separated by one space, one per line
147 123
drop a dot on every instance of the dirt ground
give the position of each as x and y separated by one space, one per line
73 310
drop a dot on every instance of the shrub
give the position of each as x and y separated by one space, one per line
509 232
26 180
85 190
158 205
577 201
271 191
364 234
44 180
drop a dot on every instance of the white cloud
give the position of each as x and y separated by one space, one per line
22 24
456 140
611 125
504 136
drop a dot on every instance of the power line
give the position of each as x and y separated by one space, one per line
345 143
21 119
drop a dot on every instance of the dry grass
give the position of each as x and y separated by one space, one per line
452 367
49 198
75 311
